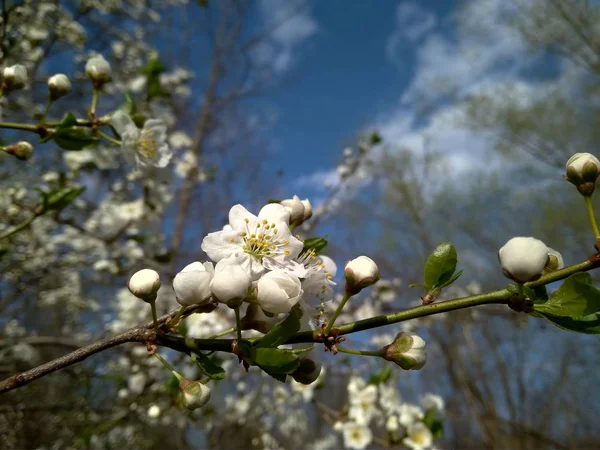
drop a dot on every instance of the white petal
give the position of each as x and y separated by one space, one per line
237 216
330 265
218 245
274 213
122 123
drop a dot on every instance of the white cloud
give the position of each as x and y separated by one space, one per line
412 23
292 24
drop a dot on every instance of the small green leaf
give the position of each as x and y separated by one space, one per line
208 366
129 106
452 279
74 138
282 331
575 306
172 386
375 138
60 198
317 244
434 424
274 360
440 265
382 376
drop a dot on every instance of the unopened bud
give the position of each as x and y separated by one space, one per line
296 209
407 351
194 394
360 273
144 284
22 150
523 259
14 77
555 261
583 170
59 86
307 372
307 209
98 70
230 283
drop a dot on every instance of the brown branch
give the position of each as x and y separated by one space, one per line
136 334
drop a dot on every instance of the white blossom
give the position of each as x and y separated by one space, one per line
356 436
263 242
296 209
59 86
523 258
434 402
146 147
360 273
419 437
230 282
278 292
144 284
14 77
192 284
98 69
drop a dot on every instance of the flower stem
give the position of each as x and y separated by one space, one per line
338 311
94 103
222 333
175 319
19 227
168 366
108 138
238 323
590 210
20 126
43 118
154 318
359 352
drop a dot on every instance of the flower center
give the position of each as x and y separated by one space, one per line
262 240
147 146
356 434
420 438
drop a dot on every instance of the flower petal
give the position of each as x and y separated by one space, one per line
219 245
237 218
274 213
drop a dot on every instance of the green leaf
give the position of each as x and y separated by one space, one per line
282 331
440 265
208 366
452 279
153 70
575 306
317 244
434 424
60 198
274 360
382 376
68 121
414 285
74 138
375 138
172 386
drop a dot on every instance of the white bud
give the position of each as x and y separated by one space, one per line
98 70
14 77
278 292
194 394
583 170
360 273
230 283
192 284
407 350
523 259
296 209
144 284
22 150
307 209
59 86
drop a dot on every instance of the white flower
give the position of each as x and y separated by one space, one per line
523 259
147 147
137 383
144 284
278 292
356 436
98 69
306 390
14 77
360 273
419 437
296 209
583 170
230 282
363 405
408 414
263 242
59 86
407 350
434 402
154 411
22 150
192 284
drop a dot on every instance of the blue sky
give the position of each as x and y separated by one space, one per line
351 66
